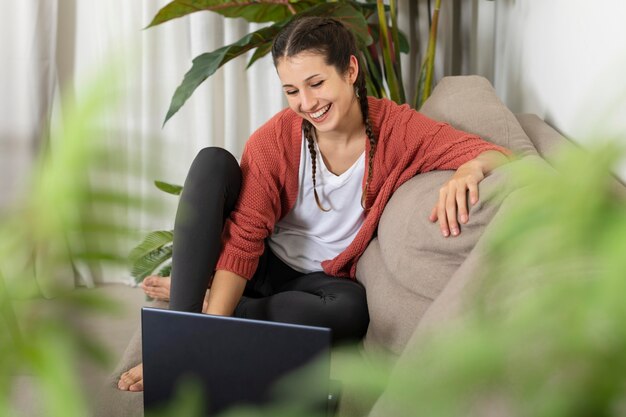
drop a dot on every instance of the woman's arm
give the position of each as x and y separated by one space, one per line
225 292
453 194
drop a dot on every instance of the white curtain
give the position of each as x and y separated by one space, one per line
55 46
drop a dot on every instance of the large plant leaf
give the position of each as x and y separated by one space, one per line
402 39
149 263
348 15
205 65
260 52
259 11
152 242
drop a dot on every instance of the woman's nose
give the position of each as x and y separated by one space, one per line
307 101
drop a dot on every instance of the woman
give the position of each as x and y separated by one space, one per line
282 234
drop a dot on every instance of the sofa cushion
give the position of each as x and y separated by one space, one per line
470 103
410 262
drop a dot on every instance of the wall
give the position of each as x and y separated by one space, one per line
564 60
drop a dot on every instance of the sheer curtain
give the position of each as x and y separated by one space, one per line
54 46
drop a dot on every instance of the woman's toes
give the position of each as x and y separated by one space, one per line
137 386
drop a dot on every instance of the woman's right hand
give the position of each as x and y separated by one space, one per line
132 380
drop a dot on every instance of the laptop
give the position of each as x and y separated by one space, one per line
234 361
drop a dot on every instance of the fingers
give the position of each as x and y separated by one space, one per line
136 387
461 203
452 206
451 213
441 212
473 192
453 201
433 214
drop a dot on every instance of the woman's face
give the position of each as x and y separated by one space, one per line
317 92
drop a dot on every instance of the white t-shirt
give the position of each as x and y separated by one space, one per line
306 236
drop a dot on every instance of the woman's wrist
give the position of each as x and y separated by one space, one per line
226 291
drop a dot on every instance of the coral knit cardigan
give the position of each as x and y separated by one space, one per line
408 143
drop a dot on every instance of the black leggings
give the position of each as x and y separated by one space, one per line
276 292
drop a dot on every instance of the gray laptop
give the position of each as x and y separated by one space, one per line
235 361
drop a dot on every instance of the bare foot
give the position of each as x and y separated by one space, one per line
132 380
157 287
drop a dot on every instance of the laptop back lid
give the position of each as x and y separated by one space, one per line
236 361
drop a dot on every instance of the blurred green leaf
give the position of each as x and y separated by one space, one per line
169 188
61 221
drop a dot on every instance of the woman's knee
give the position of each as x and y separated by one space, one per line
216 161
346 305
214 167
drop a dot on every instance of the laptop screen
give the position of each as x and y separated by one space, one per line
235 361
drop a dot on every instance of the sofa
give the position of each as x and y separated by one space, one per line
414 277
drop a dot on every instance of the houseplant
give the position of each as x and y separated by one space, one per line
380 41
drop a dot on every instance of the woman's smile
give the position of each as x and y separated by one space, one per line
320 115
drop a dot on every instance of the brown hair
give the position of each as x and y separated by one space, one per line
337 44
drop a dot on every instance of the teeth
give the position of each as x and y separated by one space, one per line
320 113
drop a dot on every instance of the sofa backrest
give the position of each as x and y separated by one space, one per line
410 263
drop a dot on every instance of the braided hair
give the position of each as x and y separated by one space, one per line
330 38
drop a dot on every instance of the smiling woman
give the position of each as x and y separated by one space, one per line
282 240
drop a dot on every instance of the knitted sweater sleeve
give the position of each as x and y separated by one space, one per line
258 206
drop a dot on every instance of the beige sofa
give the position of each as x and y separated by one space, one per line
416 279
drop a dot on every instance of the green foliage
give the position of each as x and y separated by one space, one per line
425 83
154 252
545 335
205 65
67 218
149 262
353 14
259 11
149 255
168 188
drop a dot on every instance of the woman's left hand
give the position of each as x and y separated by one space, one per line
453 198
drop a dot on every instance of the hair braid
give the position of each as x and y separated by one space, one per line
306 129
362 94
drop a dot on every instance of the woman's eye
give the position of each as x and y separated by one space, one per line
317 84
291 92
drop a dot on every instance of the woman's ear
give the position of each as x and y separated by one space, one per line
353 69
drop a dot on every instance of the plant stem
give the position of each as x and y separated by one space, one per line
396 47
390 74
432 44
428 68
